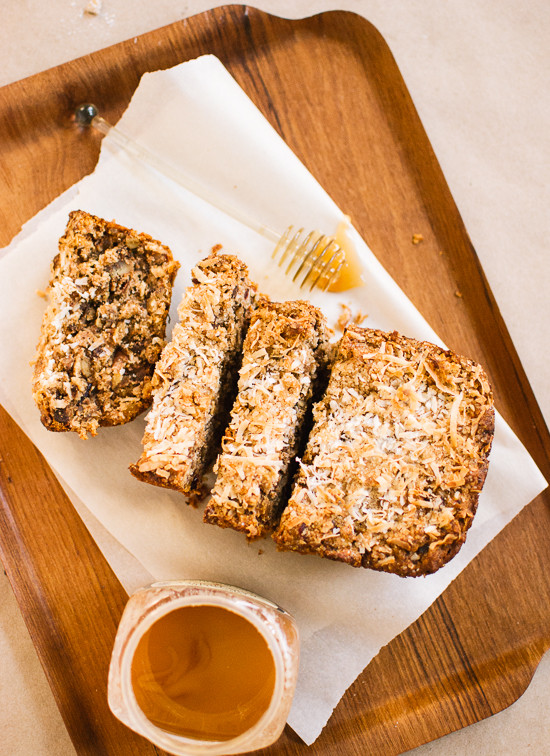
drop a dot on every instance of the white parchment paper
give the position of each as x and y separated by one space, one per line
196 116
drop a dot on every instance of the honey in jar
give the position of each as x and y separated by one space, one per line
203 669
203 672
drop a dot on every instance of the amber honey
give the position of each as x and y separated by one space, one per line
203 672
351 274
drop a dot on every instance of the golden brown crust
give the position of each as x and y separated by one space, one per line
104 326
282 351
397 457
195 378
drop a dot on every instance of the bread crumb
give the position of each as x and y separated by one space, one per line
42 294
93 7
458 294
417 238
196 497
347 317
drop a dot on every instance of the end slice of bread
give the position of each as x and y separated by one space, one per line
104 327
396 459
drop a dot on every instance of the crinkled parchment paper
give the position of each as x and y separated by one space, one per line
196 116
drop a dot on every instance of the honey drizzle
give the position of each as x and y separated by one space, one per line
351 274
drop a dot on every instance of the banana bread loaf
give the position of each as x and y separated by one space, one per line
396 459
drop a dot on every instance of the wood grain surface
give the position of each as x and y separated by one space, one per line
331 88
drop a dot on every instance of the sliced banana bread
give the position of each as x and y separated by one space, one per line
104 327
195 379
283 356
396 459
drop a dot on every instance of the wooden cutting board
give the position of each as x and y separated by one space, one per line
331 88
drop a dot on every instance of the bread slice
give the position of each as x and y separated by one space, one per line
396 459
282 356
104 326
196 376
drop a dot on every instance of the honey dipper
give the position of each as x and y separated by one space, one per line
310 258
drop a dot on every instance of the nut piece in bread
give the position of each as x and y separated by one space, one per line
283 356
195 379
104 326
396 459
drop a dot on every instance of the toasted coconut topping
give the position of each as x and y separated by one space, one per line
281 355
195 375
396 458
347 317
104 327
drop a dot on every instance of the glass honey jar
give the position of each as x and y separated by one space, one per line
203 668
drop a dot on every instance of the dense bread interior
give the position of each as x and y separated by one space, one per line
104 326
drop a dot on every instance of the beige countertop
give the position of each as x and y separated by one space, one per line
479 75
